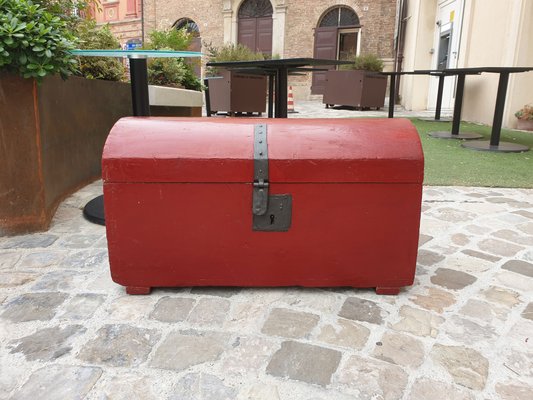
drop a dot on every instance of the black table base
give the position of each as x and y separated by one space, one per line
430 119
460 135
94 210
502 147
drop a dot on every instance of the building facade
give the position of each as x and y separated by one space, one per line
462 34
123 16
331 29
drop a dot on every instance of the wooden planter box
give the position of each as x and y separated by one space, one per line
52 138
360 89
524 124
236 92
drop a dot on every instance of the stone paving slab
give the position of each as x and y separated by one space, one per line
464 330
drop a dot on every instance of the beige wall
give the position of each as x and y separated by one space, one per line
420 26
521 85
499 34
494 33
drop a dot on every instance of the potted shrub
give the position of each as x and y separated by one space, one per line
525 118
174 88
93 37
233 91
357 85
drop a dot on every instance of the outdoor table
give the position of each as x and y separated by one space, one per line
280 70
458 105
94 209
392 87
271 74
392 91
138 71
438 106
494 143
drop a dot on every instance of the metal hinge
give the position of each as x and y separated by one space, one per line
270 212
260 184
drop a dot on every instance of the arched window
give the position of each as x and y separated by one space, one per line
340 16
196 44
189 25
255 25
255 9
337 37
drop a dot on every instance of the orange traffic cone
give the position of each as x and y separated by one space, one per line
290 101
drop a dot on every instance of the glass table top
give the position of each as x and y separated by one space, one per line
136 53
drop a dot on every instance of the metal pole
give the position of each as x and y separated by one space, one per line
281 92
207 98
139 87
271 78
498 110
392 95
458 103
439 97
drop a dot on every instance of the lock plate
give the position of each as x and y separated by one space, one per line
278 216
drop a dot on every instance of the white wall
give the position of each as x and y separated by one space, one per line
420 27
494 33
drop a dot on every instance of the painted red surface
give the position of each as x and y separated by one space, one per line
178 203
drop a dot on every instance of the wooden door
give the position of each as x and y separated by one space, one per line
247 32
256 33
264 35
325 47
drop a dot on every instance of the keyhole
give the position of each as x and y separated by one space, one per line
272 219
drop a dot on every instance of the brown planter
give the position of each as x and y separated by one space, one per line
52 138
355 88
238 92
525 124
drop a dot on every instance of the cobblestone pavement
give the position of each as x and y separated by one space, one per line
463 331
315 109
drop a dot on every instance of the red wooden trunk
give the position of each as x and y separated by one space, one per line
178 203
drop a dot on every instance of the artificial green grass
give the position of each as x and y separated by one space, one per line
449 164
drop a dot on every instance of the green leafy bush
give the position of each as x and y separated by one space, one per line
525 113
230 52
64 9
170 39
173 72
369 62
33 41
93 37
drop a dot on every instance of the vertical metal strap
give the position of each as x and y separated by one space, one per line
260 184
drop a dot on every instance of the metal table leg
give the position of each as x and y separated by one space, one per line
392 95
94 209
281 92
455 134
438 107
139 87
271 79
207 98
494 144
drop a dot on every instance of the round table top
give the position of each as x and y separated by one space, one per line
135 53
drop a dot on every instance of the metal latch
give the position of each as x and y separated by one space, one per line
270 213
260 190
